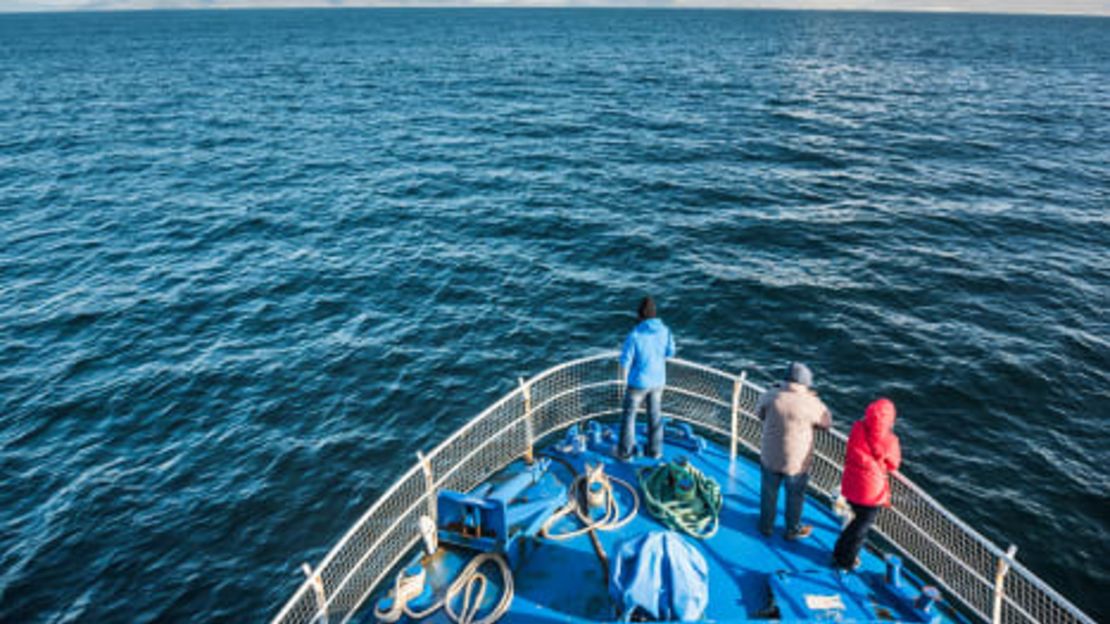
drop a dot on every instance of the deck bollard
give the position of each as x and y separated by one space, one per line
593 431
928 597
893 570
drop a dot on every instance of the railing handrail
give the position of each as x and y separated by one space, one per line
314 599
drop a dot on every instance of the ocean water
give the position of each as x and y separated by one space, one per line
251 262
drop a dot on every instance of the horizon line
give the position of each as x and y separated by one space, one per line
724 5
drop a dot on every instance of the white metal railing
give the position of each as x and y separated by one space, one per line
974 572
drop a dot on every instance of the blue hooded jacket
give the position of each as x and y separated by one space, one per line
645 352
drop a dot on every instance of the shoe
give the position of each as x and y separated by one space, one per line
621 457
855 565
766 533
803 532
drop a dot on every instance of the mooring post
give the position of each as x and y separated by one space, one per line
317 588
529 431
429 483
1004 563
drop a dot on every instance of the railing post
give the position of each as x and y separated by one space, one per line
429 484
999 581
737 384
529 430
317 588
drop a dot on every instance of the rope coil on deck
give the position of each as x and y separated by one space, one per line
470 584
682 498
592 488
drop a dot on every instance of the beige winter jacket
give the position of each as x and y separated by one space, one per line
790 412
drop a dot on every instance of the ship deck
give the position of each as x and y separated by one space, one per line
564 581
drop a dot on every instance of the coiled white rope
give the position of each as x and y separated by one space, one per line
581 490
470 583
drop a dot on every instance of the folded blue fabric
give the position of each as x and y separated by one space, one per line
662 574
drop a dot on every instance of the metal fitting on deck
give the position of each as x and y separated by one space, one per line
893 570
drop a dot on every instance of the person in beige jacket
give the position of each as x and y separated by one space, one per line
790 411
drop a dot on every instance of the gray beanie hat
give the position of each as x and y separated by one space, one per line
799 373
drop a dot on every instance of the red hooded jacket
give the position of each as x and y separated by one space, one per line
873 451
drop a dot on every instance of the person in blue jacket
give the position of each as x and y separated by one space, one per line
644 361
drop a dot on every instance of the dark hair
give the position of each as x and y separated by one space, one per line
647 309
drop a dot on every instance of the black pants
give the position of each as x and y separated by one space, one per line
852 537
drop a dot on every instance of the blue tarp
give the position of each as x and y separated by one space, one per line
662 574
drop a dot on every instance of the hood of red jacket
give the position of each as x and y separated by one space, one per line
879 419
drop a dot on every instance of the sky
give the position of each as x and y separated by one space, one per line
1087 7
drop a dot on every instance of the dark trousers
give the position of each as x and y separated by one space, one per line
770 482
852 537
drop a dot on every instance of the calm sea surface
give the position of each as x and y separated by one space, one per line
251 262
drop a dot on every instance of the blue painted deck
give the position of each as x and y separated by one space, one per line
561 581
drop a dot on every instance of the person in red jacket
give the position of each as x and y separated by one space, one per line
873 451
